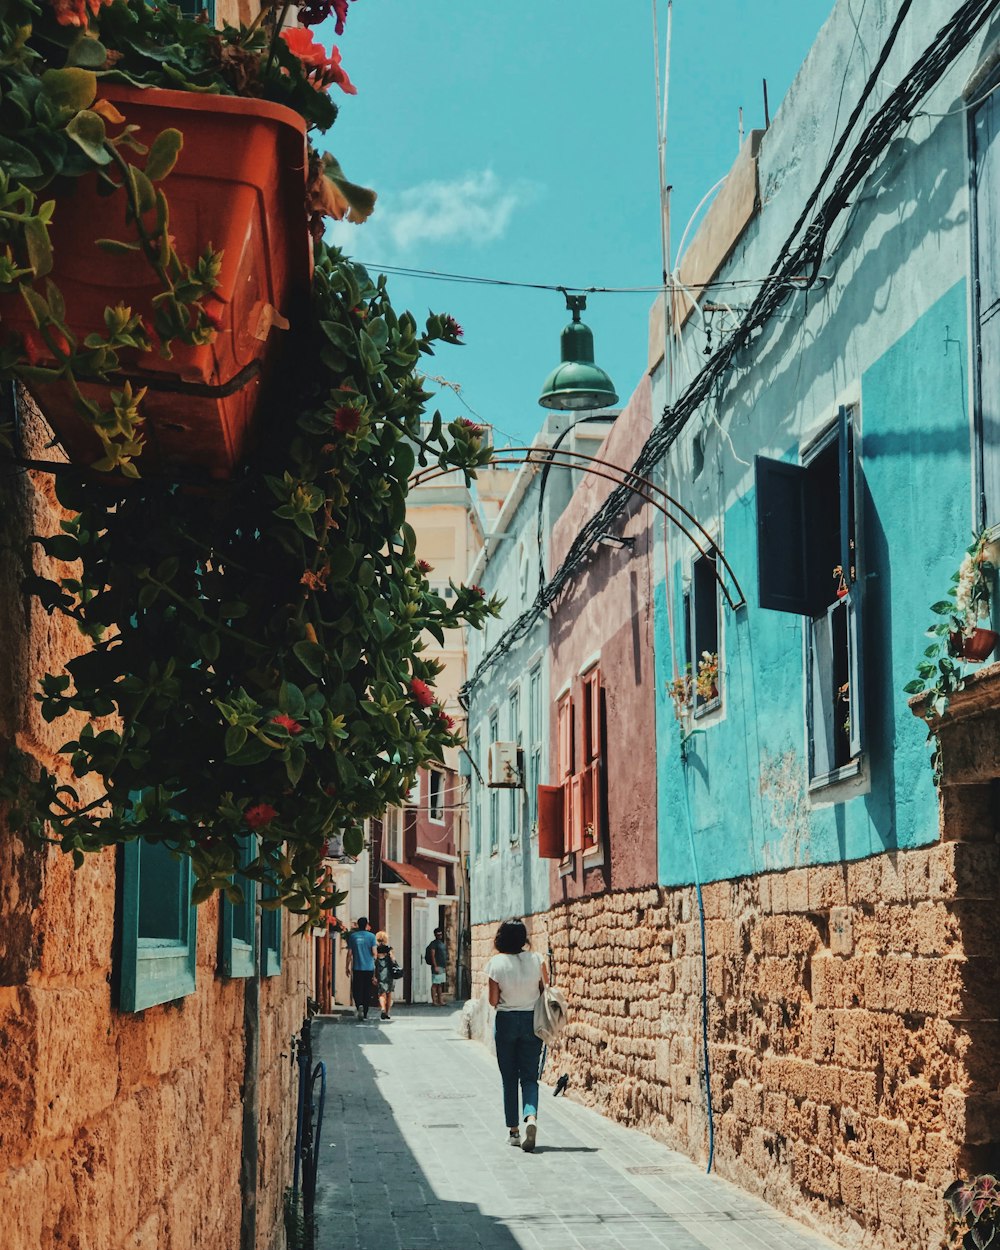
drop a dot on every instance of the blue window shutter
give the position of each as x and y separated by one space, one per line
783 571
270 939
822 706
158 940
986 206
238 924
851 495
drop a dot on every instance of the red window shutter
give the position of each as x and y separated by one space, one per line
551 836
596 724
576 827
565 736
592 805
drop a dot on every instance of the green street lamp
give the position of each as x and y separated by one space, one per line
577 383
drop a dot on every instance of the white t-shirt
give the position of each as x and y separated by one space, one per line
518 977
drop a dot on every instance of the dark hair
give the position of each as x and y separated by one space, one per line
511 938
362 922
439 932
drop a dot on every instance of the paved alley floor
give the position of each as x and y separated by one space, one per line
414 1157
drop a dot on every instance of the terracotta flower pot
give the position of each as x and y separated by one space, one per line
238 186
977 647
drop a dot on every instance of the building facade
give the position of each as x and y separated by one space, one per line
779 964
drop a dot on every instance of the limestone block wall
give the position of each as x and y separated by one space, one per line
852 1023
116 1130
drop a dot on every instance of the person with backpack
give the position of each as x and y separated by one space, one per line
436 955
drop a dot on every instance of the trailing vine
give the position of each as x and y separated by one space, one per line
256 654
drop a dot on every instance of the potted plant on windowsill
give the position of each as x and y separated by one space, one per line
144 303
707 681
957 636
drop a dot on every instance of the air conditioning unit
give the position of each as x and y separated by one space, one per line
504 766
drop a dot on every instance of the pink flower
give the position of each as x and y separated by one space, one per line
477 591
452 331
471 428
259 815
346 420
286 722
425 567
423 695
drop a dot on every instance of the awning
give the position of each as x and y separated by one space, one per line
409 875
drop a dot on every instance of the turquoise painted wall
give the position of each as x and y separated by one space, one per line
744 786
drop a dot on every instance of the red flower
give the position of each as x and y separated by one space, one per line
322 70
425 567
423 695
477 590
446 720
259 815
474 430
452 330
213 312
346 420
286 722
36 349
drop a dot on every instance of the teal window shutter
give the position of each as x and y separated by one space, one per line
238 923
270 938
159 931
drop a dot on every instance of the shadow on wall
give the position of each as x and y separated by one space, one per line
370 1187
914 189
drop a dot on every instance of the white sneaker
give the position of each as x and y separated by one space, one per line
359 1013
514 1139
530 1133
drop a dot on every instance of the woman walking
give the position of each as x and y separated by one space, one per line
517 977
383 972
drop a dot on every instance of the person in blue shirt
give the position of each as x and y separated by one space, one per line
361 965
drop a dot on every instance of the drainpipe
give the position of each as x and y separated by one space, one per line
251 1098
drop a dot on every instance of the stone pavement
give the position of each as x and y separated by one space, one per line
415 1157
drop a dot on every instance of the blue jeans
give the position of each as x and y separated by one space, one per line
518 1054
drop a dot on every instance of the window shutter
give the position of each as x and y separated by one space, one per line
782 534
158 939
270 938
238 924
565 735
592 804
855 649
594 697
550 822
986 121
822 702
577 818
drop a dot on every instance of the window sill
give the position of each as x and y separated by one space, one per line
567 866
593 857
706 709
845 773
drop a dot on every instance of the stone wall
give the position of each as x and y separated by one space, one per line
116 1129
852 1022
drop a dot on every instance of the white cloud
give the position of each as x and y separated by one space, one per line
476 208
473 209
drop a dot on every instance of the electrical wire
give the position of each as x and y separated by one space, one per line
659 288
949 42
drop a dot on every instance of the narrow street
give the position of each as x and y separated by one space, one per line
415 1157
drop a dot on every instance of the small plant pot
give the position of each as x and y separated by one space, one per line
977 646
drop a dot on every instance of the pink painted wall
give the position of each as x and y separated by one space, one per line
608 611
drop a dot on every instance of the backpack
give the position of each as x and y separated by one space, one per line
427 955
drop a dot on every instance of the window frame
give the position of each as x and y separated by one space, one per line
435 778
153 971
239 957
703 573
494 730
477 797
515 794
534 765
270 936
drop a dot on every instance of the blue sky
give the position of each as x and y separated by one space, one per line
518 141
